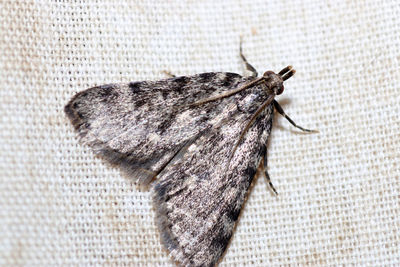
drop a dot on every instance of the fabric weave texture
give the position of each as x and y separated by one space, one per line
338 201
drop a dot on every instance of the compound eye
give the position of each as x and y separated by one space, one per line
280 90
268 73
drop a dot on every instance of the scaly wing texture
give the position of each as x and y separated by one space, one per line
198 198
142 125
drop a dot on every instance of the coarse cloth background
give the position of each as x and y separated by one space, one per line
339 190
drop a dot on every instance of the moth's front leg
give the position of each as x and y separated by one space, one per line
249 67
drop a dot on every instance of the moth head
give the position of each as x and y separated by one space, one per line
275 81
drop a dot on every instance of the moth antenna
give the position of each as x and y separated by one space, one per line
248 125
229 93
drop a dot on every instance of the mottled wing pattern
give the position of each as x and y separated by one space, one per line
198 197
143 125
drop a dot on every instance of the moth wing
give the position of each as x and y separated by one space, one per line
143 125
198 198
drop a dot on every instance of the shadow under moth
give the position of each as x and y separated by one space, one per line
200 138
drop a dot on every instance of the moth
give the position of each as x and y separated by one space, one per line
197 140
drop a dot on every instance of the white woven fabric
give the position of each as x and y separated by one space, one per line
338 200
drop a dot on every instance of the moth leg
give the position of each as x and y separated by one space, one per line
169 74
280 111
247 64
267 175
